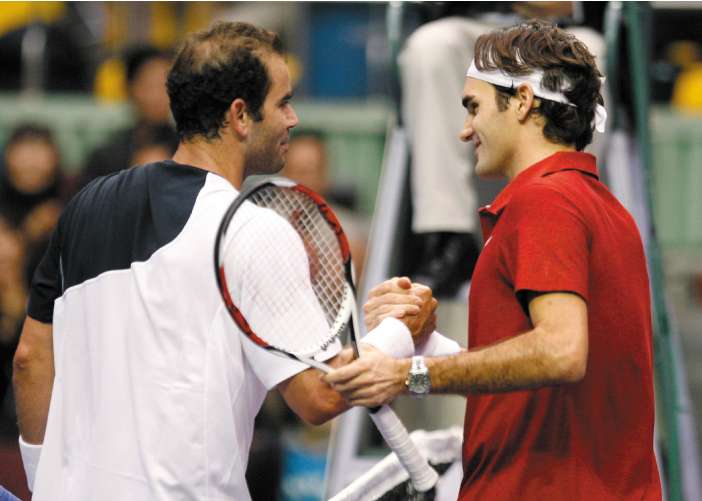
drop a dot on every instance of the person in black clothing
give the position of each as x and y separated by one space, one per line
31 188
147 68
30 203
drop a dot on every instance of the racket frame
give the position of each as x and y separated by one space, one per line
423 477
349 304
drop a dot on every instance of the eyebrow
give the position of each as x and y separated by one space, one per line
467 100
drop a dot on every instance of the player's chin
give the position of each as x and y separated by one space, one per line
480 169
275 165
280 164
484 170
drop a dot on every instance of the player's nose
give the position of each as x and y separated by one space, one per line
467 131
292 118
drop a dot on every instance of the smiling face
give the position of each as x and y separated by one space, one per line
268 143
490 129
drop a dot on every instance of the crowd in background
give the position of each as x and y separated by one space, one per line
34 188
31 197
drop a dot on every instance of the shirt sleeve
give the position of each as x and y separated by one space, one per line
46 282
272 369
268 273
547 245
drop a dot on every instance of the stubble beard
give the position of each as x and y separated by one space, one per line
263 162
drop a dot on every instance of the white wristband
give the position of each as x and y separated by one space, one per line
438 345
392 337
30 459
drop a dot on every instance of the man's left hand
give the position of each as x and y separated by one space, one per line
373 380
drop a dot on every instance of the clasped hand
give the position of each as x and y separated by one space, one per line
375 378
411 303
372 380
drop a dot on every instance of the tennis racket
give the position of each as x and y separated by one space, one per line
284 242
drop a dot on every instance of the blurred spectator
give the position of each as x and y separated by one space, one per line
30 205
307 162
147 68
31 188
308 165
13 298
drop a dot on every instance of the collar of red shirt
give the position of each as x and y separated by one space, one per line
559 161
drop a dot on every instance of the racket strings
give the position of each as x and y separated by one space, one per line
286 272
326 265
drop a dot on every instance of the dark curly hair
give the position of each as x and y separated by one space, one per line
568 67
213 68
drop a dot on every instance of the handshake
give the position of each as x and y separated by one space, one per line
410 303
401 318
413 305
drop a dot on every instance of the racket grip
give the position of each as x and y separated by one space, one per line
423 476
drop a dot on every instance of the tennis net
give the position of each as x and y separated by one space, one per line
388 480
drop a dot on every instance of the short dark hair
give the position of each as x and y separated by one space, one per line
568 67
213 68
137 56
31 131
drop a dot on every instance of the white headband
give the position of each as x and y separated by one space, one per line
533 80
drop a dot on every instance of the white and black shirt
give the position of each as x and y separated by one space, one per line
156 390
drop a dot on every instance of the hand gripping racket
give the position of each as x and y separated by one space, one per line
294 292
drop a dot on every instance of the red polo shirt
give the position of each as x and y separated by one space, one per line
555 227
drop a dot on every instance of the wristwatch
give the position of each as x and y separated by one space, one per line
418 381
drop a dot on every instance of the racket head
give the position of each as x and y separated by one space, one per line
283 244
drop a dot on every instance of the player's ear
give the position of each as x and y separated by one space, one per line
526 101
240 118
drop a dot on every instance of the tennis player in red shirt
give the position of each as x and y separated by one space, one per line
559 371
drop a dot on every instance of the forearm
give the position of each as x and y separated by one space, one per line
555 351
330 403
33 377
530 360
312 399
32 386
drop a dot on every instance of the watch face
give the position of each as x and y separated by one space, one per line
419 383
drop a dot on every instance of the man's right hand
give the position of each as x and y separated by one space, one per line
411 303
